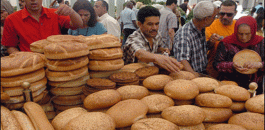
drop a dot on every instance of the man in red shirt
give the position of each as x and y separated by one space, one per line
35 22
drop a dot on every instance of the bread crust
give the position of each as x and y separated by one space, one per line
21 63
37 46
106 65
23 120
8 120
124 77
102 41
66 90
68 100
67 64
74 83
106 54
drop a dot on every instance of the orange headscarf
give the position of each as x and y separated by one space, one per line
255 39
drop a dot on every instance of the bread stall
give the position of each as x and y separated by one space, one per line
78 82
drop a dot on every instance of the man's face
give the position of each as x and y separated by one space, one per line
33 5
209 20
21 4
99 9
150 26
226 14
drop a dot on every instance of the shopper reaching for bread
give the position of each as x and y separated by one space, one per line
145 42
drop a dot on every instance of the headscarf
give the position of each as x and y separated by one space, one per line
255 39
5 5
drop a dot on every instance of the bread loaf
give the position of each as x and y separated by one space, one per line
23 120
193 127
73 83
206 84
132 92
65 50
66 38
213 100
127 112
102 74
4 97
255 104
182 75
216 114
14 106
67 75
66 90
238 107
64 117
68 100
21 63
37 46
37 116
8 120
106 54
156 82
67 64
226 127
18 80
157 103
106 65
234 92
102 41
65 107
154 124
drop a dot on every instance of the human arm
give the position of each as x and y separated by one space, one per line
168 63
134 23
75 19
122 27
187 67
11 50
171 33
51 5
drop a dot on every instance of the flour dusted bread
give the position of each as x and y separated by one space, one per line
37 46
67 75
66 38
21 63
226 127
244 56
182 75
206 84
132 92
156 82
91 121
68 100
185 115
64 117
249 120
133 67
154 124
23 120
73 83
157 103
66 90
102 41
106 54
67 64
236 93
18 80
193 127
37 116
106 65
126 112
65 50
8 120
255 104
216 114
238 107
213 100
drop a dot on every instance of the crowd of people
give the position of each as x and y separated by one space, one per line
204 41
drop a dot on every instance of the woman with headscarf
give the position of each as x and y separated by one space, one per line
91 25
244 37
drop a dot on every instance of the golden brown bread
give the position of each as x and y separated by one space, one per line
102 41
21 63
145 72
65 38
126 112
184 102
18 80
101 83
68 100
157 103
66 90
216 114
23 120
213 100
225 82
101 74
64 117
14 106
67 64
133 92
244 56
193 127
133 67
67 75
106 65
206 84
91 121
65 50
8 120
102 99
238 107
4 97
184 115
182 75
255 104
65 107
124 77
181 89
156 82
37 46
154 124
106 54
73 83
16 99
226 127
37 116
249 120
236 93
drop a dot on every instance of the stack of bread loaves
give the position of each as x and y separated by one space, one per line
105 55
23 67
97 84
66 71
124 78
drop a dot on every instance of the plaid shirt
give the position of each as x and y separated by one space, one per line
137 41
190 44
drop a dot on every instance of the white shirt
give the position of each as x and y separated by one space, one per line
111 24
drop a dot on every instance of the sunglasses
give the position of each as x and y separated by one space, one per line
227 14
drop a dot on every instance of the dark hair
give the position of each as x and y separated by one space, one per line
59 1
186 0
259 19
229 3
133 2
85 5
169 2
260 3
147 11
260 10
105 4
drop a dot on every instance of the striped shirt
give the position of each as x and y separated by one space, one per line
137 41
190 44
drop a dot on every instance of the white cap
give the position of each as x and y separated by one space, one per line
217 3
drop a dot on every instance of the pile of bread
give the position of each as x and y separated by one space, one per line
23 67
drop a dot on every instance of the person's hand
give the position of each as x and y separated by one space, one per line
253 65
168 63
214 38
64 10
239 68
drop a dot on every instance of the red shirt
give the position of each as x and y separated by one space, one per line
22 29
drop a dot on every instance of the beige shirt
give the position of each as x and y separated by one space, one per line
111 24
